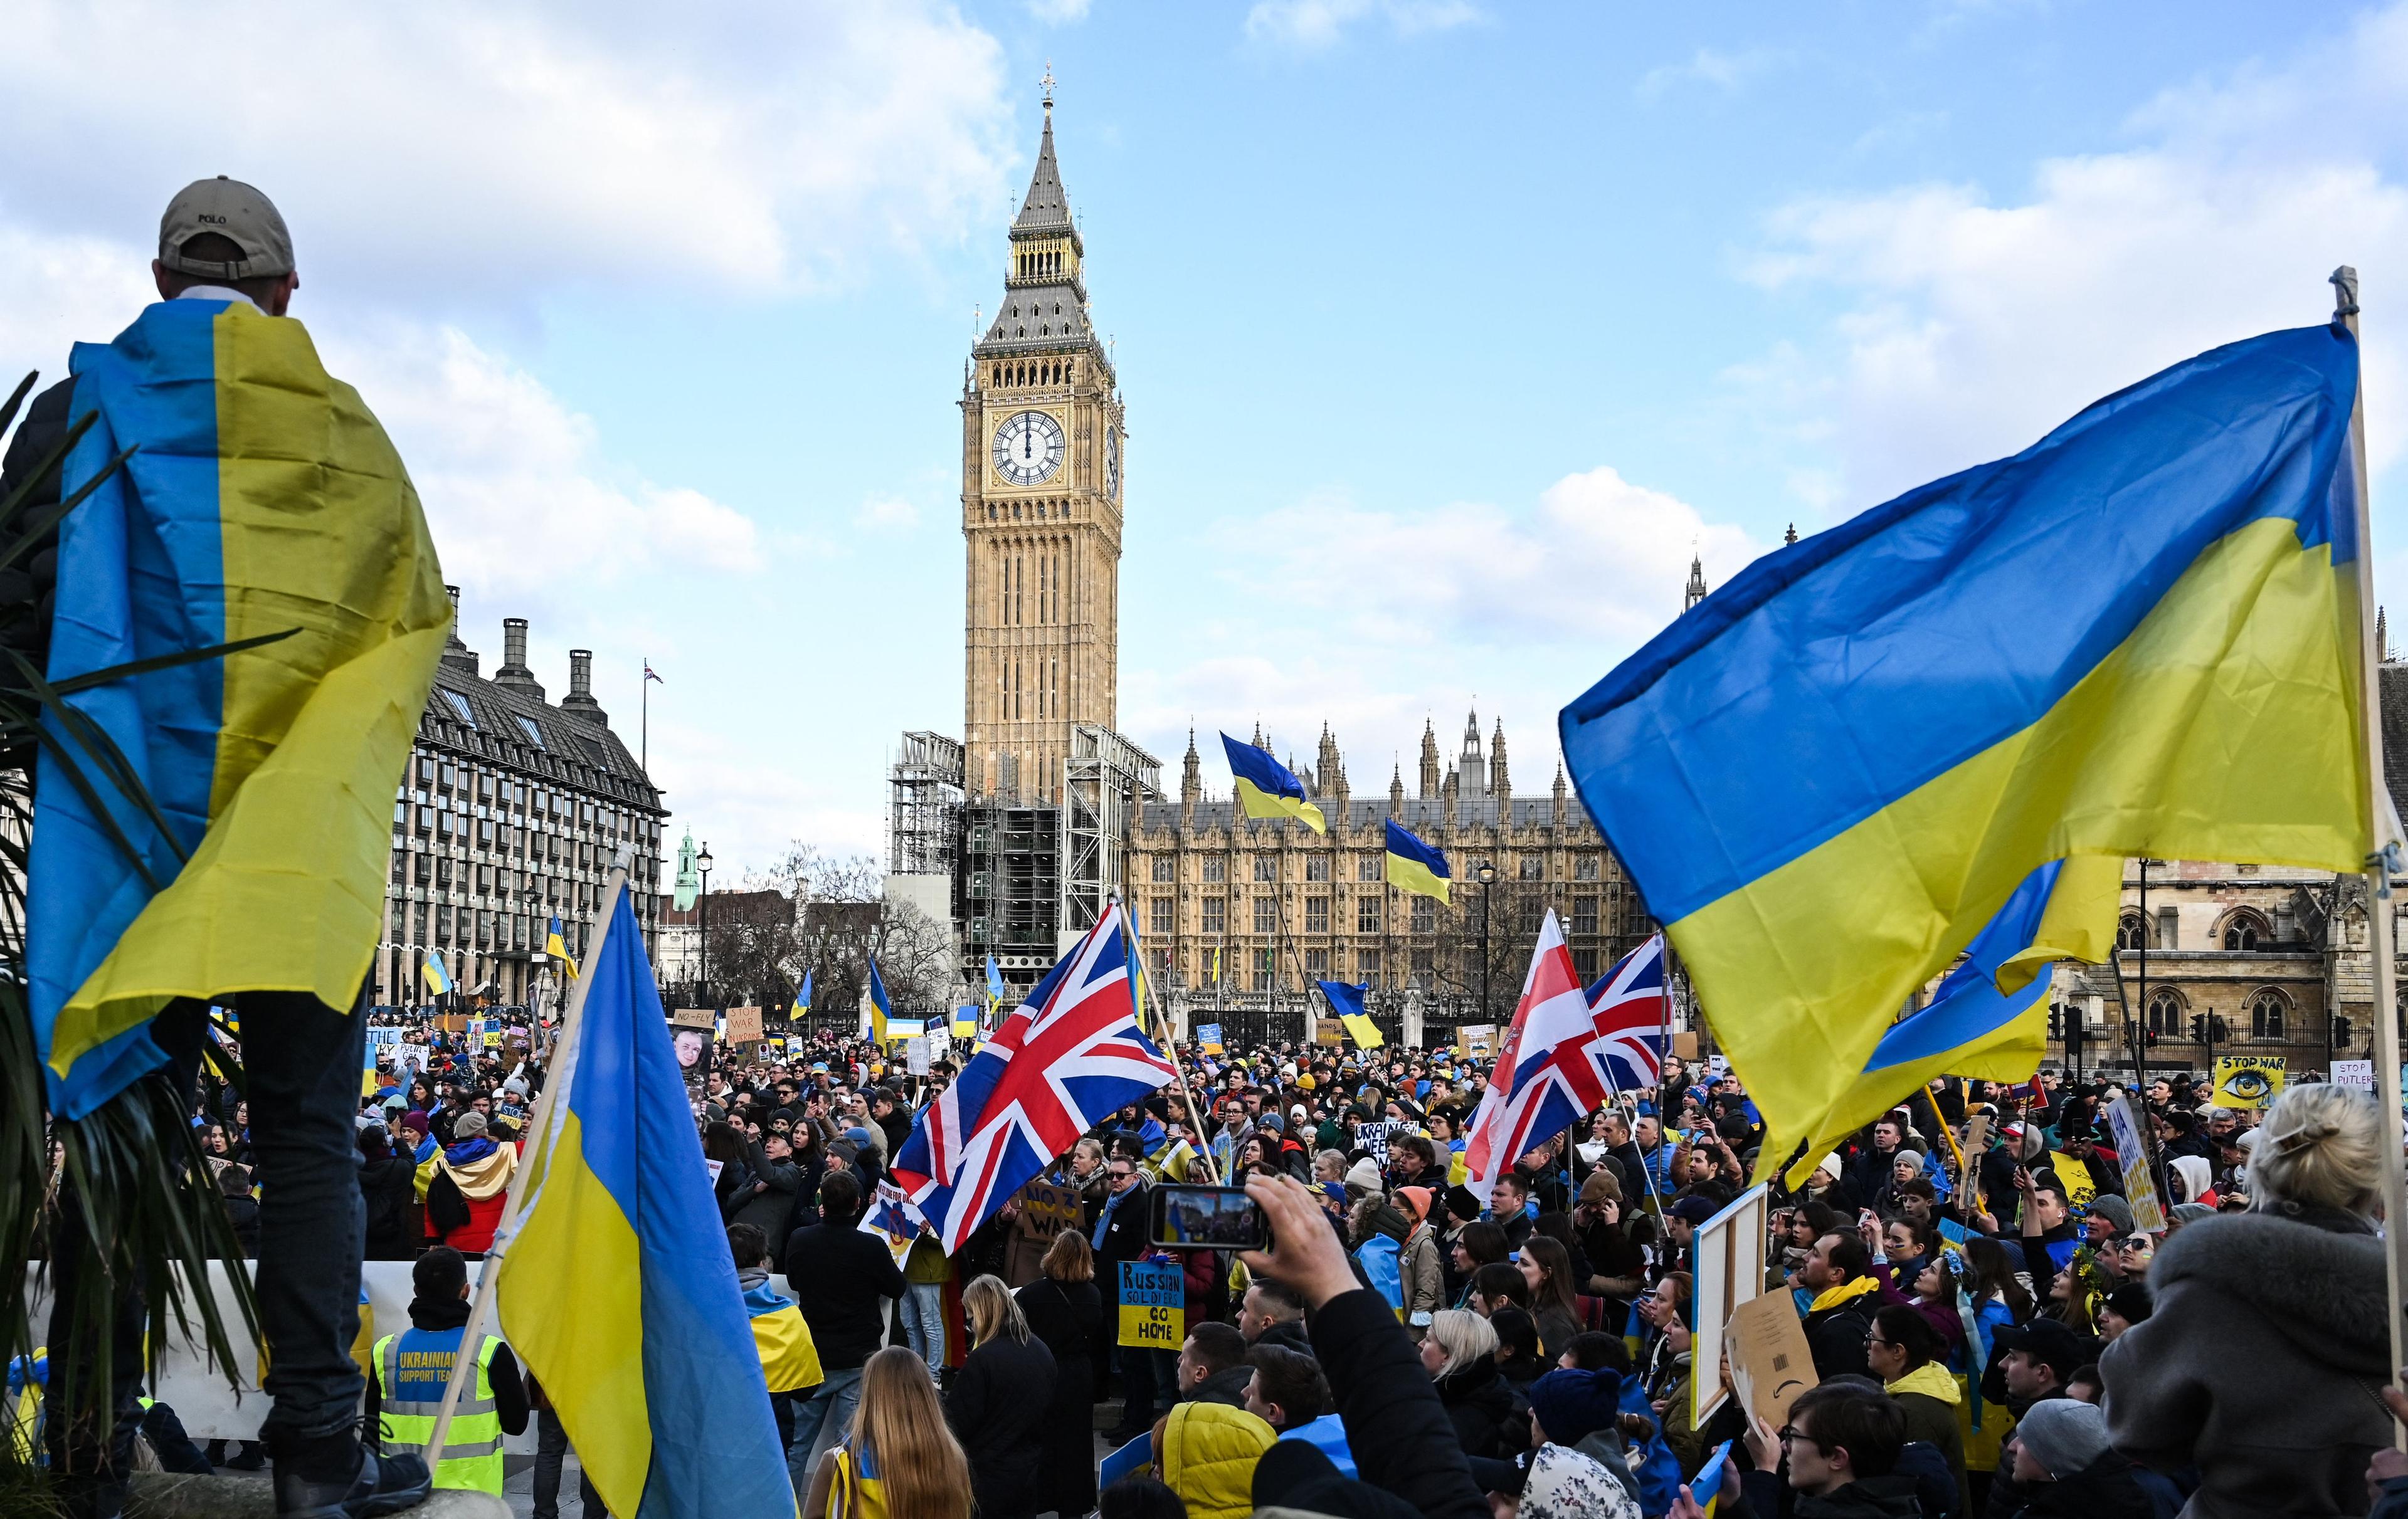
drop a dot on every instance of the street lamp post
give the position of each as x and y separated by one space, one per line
702 863
1487 874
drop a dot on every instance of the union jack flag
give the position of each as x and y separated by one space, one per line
1546 1079
1065 1059
1626 1007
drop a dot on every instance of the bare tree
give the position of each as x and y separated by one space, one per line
808 873
753 943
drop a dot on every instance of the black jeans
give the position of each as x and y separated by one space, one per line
302 1061
551 1446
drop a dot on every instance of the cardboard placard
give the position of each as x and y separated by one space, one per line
1152 1306
743 1025
1328 1031
2247 1081
694 1018
1684 1044
1728 1252
2357 1075
1770 1362
1048 1208
2140 1188
1476 1041
915 1055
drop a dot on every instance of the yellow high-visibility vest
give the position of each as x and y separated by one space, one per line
472 1450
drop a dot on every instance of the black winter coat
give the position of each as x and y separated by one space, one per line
1064 1315
838 1274
1478 1401
997 1410
388 1188
1401 1437
1837 1336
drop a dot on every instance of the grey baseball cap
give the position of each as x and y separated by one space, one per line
232 210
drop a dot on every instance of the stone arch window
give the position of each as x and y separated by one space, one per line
2131 934
2166 1009
2245 929
2268 1008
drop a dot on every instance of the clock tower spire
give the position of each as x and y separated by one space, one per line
1042 437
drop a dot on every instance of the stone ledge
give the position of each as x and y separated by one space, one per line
159 1494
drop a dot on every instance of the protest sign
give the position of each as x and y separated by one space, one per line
1048 1208
384 1035
2357 1075
892 1220
2247 1081
1328 1031
915 1055
743 1025
2140 1188
1209 1035
2075 1178
1476 1041
1374 1137
694 1018
1153 1306
493 1039
1770 1362
1729 1252
412 1056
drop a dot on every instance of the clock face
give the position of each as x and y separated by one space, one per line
1028 448
1113 463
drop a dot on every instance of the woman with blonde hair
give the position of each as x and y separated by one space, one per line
2292 1291
999 1400
898 1460
1064 1311
1460 1355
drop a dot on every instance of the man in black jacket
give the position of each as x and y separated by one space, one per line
1840 1319
838 1274
1120 1236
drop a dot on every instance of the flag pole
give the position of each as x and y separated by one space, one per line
1171 1047
2381 864
562 1065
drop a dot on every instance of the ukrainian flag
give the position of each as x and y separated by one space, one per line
261 499
1972 1027
2140 636
616 1287
881 1008
1347 1003
438 977
995 992
1266 788
556 945
1415 867
965 1023
803 1000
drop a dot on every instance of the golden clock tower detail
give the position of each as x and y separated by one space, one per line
1043 447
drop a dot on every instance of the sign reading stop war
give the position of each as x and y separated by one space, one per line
1153 1306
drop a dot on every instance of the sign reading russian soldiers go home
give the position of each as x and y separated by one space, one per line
1153 1306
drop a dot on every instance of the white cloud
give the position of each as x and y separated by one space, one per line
888 513
473 152
1377 621
1310 26
1974 322
1710 66
1060 12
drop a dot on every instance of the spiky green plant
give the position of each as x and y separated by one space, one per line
132 1170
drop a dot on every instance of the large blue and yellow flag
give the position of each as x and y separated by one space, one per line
616 1287
555 944
2138 636
1268 789
1415 867
437 974
1346 1001
881 1007
261 499
803 999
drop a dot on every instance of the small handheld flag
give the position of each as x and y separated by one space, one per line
1415 867
1268 789
554 945
1347 1003
880 1009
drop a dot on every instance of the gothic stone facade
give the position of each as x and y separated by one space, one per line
1284 905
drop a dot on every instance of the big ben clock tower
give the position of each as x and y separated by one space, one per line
1042 446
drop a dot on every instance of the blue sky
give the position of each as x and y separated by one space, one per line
1448 331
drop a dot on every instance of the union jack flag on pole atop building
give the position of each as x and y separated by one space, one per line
1546 1078
1627 1007
1065 1059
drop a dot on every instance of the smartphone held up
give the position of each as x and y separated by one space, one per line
1205 1218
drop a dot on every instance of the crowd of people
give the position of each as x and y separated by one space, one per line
1990 1333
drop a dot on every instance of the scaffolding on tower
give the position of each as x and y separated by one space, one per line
924 799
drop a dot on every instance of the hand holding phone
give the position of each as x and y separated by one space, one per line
1182 1217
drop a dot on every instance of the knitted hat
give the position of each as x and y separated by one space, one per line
2064 1434
468 1125
1462 1202
1694 1209
2115 1210
1417 1200
1364 1173
1572 1405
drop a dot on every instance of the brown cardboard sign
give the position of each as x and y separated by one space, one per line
694 1018
1048 1208
1770 1359
743 1025
1328 1031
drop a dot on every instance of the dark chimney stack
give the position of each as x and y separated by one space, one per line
580 688
513 671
